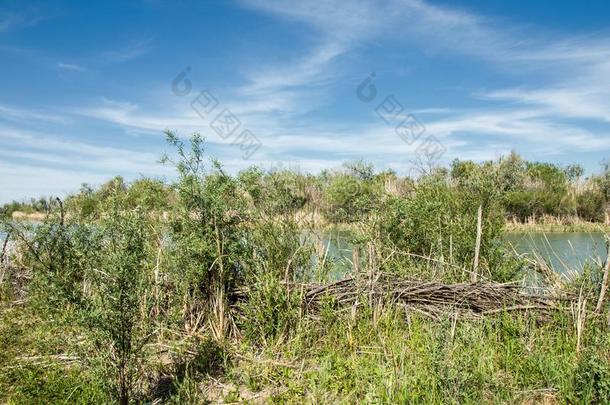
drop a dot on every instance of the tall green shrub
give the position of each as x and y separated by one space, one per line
97 277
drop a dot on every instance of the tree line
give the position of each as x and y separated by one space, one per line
527 191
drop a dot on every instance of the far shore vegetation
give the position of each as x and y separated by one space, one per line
533 196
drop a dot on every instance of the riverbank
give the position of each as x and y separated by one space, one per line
581 226
317 221
28 216
314 219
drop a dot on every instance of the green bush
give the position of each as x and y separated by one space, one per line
591 206
100 275
592 374
439 221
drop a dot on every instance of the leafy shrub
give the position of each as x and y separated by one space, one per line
592 376
349 199
591 206
439 221
207 237
100 275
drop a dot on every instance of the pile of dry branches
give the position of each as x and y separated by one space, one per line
430 297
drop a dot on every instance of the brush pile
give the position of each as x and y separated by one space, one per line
429 297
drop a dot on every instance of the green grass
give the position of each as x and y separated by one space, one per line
29 369
393 359
372 355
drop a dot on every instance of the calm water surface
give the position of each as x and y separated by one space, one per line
564 251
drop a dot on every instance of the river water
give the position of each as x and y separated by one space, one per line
566 252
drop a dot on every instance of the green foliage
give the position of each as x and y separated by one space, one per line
592 374
150 195
522 204
226 236
280 246
545 190
574 172
439 220
85 204
591 206
550 187
41 205
51 384
531 190
351 196
381 356
270 311
207 239
30 370
276 192
101 275
116 311
603 181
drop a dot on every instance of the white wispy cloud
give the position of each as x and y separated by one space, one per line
25 180
70 67
53 148
560 105
16 113
15 19
131 51
520 127
47 163
153 121
274 97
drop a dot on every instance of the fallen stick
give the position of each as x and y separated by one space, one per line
604 286
4 246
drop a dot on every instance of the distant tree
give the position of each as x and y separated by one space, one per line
85 203
463 170
603 181
591 205
550 188
511 172
112 187
574 172
360 169
149 194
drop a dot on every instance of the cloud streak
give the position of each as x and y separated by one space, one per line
49 164
70 67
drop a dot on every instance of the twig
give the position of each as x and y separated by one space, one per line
477 249
4 246
604 286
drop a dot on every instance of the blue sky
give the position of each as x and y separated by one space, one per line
87 86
